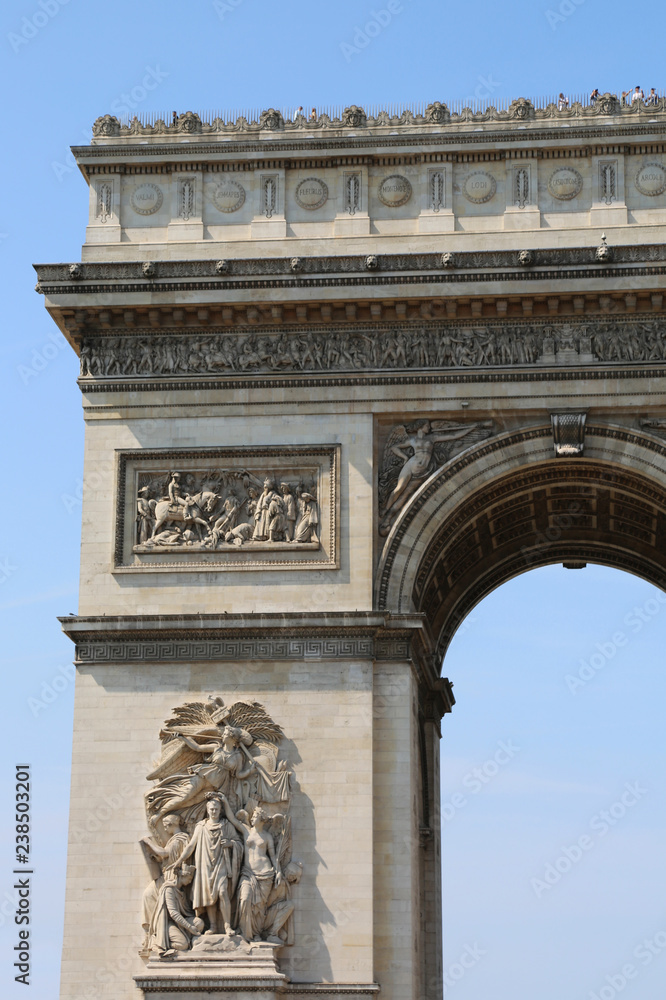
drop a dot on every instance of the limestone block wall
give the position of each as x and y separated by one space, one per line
397 815
348 587
325 709
166 213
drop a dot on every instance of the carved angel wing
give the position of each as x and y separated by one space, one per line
196 719
391 464
176 758
445 450
254 718
281 831
193 717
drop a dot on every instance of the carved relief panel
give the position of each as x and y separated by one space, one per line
228 509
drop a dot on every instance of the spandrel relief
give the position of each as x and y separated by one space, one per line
412 452
219 847
228 508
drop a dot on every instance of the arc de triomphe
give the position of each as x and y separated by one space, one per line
340 378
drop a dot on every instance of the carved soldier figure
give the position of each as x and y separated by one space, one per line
174 925
281 907
157 857
145 517
291 513
174 490
84 359
217 860
267 512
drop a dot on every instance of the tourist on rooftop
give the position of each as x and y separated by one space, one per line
562 102
652 97
313 115
299 111
594 95
637 95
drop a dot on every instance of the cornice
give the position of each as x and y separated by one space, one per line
474 376
550 264
255 637
211 625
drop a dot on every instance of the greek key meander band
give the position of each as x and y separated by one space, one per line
176 651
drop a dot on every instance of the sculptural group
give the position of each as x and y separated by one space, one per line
219 847
219 509
445 346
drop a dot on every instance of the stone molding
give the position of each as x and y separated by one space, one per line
166 986
241 647
52 277
598 135
290 636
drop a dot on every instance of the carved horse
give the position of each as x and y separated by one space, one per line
195 513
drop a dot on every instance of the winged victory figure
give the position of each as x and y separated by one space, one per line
211 747
412 452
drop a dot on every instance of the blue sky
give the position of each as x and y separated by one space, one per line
62 65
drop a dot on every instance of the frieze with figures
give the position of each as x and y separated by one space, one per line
320 350
224 508
228 508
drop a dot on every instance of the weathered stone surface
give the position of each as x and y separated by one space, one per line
444 334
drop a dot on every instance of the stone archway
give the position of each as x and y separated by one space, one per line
508 505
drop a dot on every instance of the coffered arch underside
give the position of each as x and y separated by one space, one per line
509 505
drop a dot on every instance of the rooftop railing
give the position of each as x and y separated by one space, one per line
417 109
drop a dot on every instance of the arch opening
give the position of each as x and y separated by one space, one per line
507 507
553 864
571 513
